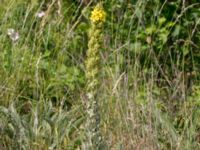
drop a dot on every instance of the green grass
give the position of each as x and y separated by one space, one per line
149 92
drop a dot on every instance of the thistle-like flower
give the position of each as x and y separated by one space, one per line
40 14
97 18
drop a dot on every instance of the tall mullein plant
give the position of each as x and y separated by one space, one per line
92 74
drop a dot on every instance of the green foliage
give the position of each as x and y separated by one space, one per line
149 78
44 127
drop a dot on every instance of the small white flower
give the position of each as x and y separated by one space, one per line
10 31
89 95
14 36
40 14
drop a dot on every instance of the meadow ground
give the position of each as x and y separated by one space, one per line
149 93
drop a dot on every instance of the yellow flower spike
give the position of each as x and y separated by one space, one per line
93 70
98 14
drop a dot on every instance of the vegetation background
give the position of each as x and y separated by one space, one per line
150 92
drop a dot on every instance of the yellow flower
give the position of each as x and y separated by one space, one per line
98 15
